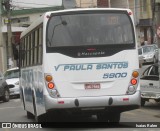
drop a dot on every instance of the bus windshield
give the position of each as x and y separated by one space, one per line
89 29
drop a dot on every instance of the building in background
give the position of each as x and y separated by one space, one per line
145 24
102 3
22 15
119 3
86 3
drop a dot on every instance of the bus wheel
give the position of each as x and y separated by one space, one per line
30 115
142 102
41 118
102 117
114 117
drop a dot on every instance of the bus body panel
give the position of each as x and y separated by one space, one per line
70 75
121 101
33 89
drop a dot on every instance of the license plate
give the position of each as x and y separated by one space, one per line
92 86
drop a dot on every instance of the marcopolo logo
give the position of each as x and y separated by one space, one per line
91 53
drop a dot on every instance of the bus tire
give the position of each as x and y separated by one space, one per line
114 117
30 115
41 118
142 102
102 117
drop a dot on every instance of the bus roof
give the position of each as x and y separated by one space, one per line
88 9
40 19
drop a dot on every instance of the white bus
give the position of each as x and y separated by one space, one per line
81 61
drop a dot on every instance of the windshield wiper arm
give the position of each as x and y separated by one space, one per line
62 23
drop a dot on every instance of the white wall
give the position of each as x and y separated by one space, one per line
23 4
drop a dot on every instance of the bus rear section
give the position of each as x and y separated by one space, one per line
91 62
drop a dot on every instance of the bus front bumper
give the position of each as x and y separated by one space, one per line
94 102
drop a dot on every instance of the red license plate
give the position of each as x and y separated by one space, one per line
92 86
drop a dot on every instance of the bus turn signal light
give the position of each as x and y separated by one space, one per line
51 85
135 74
48 78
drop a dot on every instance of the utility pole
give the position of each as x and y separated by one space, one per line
7 7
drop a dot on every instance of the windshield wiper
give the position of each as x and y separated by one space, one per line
62 23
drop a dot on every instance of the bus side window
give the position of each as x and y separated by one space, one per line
35 47
32 48
40 46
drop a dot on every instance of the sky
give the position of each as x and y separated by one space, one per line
22 4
